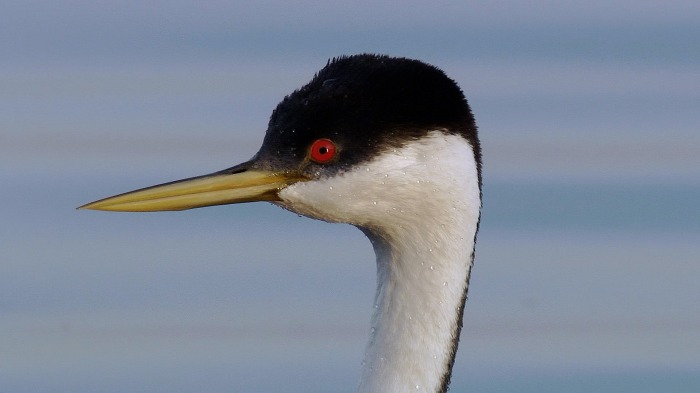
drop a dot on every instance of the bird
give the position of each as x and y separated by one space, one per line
390 146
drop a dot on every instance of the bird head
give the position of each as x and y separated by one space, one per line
337 146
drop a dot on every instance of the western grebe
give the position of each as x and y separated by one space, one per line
390 146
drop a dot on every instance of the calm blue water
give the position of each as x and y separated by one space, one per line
587 262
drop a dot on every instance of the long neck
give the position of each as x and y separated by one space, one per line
419 205
422 280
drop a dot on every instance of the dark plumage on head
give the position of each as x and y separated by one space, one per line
364 104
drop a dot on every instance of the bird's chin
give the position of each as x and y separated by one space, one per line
308 211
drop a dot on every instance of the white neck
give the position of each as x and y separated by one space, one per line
421 289
419 205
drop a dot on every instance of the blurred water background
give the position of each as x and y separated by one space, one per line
586 276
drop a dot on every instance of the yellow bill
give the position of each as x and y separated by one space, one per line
219 188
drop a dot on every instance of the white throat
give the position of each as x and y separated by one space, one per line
419 205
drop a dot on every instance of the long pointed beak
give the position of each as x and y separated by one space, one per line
234 185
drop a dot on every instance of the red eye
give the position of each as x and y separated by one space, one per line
322 151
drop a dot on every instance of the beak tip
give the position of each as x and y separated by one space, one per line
87 206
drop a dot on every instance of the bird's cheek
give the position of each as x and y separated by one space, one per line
320 200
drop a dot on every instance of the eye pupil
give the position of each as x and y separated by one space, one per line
322 151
